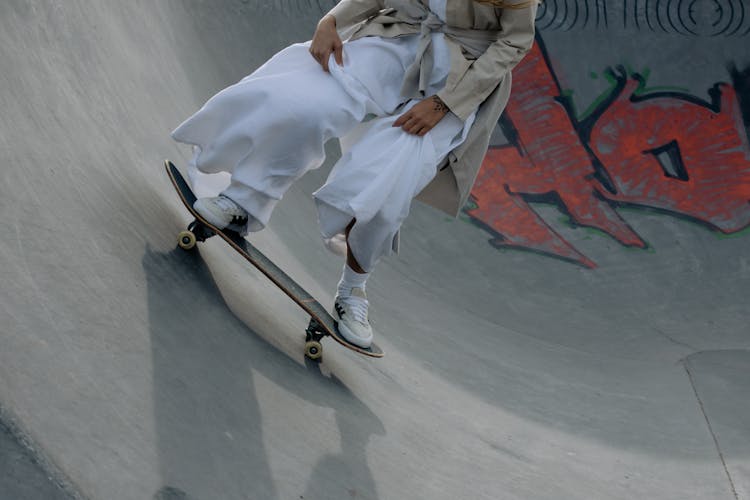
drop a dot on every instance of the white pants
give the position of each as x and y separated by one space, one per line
270 128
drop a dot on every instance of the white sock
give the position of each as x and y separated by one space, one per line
351 279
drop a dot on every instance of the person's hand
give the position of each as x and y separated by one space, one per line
423 116
326 41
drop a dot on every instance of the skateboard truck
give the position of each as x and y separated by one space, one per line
196 231
313 335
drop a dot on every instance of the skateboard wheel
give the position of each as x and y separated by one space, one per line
186 240
313 349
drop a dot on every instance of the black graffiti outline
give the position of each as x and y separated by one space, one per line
584 129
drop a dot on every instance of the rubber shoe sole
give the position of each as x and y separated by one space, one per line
351 338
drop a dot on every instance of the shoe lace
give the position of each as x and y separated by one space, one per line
226 204
358 309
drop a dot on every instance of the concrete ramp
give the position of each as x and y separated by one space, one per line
581 332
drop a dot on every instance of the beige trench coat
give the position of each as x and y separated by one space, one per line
472 83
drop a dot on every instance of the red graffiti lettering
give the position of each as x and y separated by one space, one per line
711 157
661 151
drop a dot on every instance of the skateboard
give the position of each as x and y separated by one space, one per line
321 323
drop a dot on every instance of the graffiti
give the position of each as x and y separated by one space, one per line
683 17
665 150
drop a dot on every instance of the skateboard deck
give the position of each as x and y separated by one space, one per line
321 323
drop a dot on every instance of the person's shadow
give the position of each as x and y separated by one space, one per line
209 426
350 466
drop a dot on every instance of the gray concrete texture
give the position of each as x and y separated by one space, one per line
23 477
142 371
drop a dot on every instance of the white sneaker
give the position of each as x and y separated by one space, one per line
222 212
351 315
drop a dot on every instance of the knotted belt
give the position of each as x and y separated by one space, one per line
425 22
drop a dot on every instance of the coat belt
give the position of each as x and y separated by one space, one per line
425 23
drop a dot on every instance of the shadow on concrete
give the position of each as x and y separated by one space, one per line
22 477
207 411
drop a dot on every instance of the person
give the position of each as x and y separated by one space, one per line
413 87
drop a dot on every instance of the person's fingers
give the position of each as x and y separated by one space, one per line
326 56
408 124
411 125
321 56
338 53
402 119
415 128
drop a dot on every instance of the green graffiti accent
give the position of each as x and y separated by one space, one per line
662 88
637 209
648 249
593 232
644 89
594 104
568 96
565 221
463 215
590 232
728 236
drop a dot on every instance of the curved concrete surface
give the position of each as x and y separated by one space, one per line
143 371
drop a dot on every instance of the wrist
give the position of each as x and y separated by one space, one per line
328 20
439 105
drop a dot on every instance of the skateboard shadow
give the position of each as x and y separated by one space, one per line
209 422
355 426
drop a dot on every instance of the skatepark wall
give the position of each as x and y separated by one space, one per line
579 332
623 105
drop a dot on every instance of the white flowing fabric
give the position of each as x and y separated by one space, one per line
270 128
